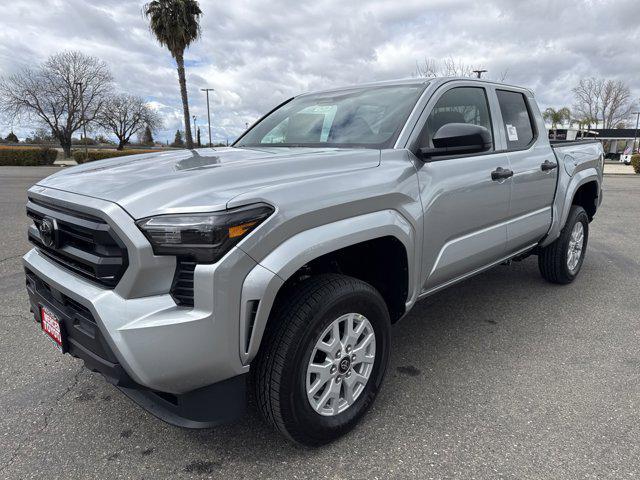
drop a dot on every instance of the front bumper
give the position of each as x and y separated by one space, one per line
204 407
159 345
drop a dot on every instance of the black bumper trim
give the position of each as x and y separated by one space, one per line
83 338
206 407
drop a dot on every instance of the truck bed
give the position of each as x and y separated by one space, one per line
582 141
579 162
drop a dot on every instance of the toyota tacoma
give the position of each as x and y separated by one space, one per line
191 278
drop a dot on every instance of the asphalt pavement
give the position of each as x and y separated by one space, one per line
502 376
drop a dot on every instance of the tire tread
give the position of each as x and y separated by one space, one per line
551 259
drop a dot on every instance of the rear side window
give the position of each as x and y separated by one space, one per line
516 118
458 105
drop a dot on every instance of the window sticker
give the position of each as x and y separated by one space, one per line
512 133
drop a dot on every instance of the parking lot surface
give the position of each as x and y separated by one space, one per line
502 376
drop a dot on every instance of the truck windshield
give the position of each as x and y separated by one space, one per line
369 117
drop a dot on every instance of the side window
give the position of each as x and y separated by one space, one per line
516 118
458 105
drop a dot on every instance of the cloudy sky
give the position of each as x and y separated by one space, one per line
257 53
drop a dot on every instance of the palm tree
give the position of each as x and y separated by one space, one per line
556 117
584 123
175 25
588 121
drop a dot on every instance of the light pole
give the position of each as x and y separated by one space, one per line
84 124
635 134
208 110
195 131
479 73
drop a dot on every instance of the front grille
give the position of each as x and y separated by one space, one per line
82 243
182 287
61 301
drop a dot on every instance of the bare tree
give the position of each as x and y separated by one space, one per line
456 68
65 93
587 96
448 67
617 103
429 68
600 101
126 115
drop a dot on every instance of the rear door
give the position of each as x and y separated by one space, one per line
464 209
534 166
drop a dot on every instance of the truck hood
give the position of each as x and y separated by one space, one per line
204 179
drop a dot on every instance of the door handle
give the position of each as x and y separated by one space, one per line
501 174
547 165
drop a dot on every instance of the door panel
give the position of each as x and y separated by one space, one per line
531 198
532 188
465 215
527 229
465 211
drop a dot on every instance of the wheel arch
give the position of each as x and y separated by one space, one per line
586 195
585 187
318 248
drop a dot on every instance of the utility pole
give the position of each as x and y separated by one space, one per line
635 134
84 124
479 73
208 110
194 124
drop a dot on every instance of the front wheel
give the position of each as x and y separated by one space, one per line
323 358
560 262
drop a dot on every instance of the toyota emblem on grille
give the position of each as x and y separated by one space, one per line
48 232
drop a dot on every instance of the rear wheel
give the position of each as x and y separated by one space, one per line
322 359
560 262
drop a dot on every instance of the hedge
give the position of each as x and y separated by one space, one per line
27 156
93 155
635 161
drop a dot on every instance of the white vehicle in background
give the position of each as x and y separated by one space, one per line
625 158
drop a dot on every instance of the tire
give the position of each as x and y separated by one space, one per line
553 260
280 371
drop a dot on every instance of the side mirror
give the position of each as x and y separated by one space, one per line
458 139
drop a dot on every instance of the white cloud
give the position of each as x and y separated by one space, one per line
256 53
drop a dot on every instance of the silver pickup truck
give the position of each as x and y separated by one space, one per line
280 263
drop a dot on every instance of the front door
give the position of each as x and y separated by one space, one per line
465 208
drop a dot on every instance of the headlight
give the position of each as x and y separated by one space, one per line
206 237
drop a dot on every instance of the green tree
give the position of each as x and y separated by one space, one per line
147 136
556 117
177 141
11 138
584 122
175 24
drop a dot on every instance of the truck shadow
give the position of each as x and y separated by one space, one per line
450 349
